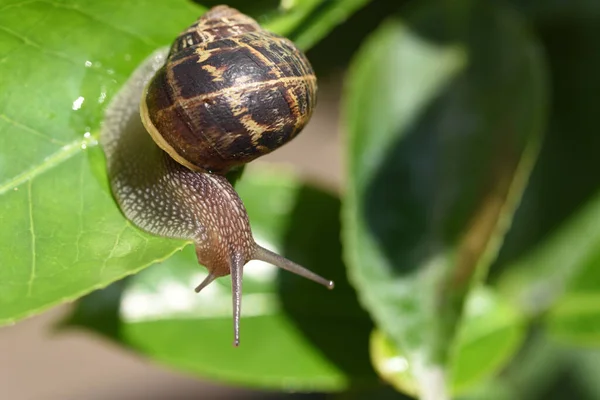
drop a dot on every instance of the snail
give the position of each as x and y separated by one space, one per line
225 93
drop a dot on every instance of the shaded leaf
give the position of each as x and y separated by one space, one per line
552 249
566 262
588 369
489 337
544 369
445 111
529 375
553 10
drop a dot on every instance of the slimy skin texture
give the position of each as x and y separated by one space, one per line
163 197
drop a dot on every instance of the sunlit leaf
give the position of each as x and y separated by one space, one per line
60 62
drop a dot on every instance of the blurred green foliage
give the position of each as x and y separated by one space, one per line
465 246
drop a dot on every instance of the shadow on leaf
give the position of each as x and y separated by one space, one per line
332 320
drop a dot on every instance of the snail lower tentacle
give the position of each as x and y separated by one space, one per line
162 195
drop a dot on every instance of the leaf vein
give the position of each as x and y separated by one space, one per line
30 130
54 159
20 4
51 53
112 251
80 213
32 274
137 36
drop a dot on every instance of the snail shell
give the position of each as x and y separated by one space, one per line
229 93
167 195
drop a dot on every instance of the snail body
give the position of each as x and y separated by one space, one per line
189 114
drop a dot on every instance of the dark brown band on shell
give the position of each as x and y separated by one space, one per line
229 93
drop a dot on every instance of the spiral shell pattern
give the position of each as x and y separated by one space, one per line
229 92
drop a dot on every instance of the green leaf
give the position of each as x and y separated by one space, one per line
283 17
551 257
574 316
445 110
587 369
60 64
290 15
285 317
491 334
552 10
332 13
304 21
536 372
334 53
576 319
563 269
545 370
